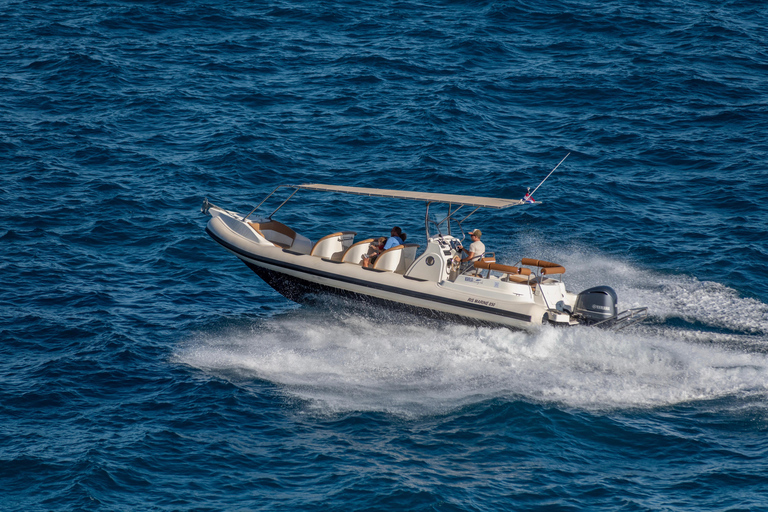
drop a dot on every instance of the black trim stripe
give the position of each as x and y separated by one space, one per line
368 284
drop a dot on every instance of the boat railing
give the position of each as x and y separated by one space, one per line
558 271
509 273
543 268
207 206
624 319
270 195
475 267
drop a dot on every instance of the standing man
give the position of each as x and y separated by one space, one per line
476 248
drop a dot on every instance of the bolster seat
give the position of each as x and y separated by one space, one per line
517 274
354 253
538 263
507 269
389 260
484 263
333 246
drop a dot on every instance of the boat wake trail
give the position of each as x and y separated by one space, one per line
703 342
341 358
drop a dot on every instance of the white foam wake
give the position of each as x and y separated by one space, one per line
352 362
666 295
703 342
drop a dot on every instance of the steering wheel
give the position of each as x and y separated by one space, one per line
456 262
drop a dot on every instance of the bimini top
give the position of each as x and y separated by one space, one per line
480 202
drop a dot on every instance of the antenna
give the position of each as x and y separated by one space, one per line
529 194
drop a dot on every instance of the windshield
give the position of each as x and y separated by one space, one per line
447 219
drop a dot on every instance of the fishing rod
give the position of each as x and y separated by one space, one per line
529 193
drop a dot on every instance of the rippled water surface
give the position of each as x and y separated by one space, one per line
144 368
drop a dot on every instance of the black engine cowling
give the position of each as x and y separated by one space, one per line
596 304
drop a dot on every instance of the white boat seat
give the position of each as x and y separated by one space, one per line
281 235
389 260
275 232
354 253
409 254
333 246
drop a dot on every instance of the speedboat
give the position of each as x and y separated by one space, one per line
434 282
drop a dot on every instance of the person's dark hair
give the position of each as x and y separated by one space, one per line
397 230
403 236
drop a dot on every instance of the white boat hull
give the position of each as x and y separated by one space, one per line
433 283
296 275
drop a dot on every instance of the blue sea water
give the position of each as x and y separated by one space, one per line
142 367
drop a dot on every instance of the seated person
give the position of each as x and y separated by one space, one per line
393 241
377 246
476 248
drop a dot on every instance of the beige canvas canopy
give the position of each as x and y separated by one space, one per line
454 202
481 202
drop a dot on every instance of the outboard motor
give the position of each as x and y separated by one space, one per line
598 304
